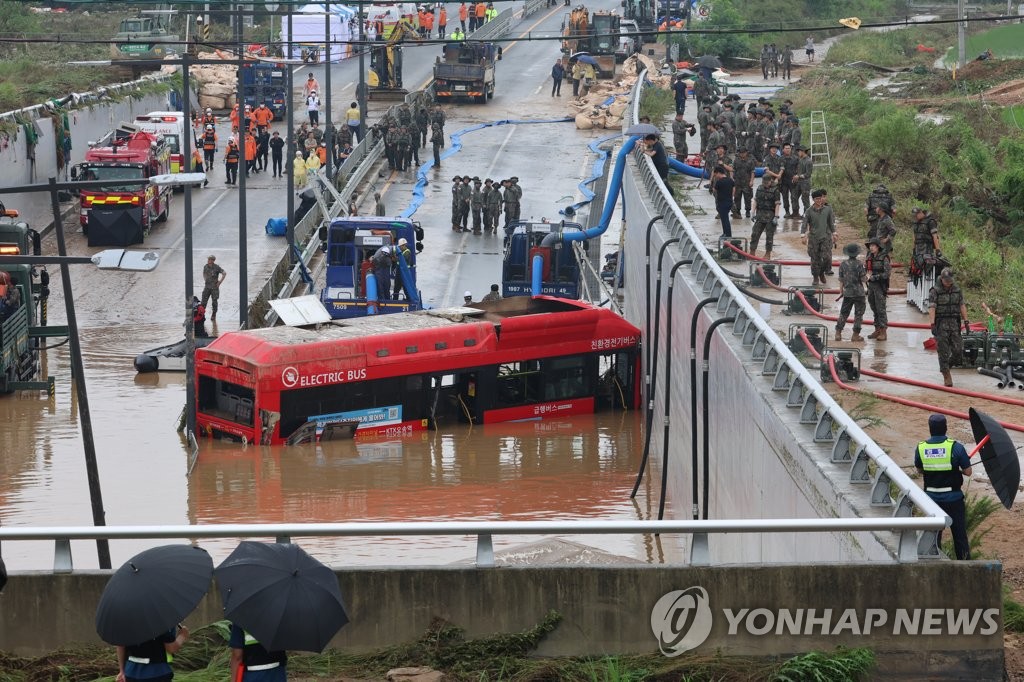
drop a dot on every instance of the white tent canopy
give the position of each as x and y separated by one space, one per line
309 28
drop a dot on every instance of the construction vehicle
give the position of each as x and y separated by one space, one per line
266 83
641 11
560 272
385 79
466 70
24 290
349 285
122 214
595 34
142 37
604 41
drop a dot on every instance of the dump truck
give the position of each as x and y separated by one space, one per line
466 71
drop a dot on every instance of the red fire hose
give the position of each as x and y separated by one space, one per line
908 403
833 318
920 384
777 287
784 262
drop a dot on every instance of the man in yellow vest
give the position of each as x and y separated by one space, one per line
944 462
250 662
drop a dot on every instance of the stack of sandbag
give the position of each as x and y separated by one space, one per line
216 83
606 102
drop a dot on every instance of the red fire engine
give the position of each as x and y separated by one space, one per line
135 156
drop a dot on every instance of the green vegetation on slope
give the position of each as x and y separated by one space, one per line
444 647
1004 41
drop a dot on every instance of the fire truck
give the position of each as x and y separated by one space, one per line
122 214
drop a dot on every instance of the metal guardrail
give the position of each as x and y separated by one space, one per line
483 530
826 421
286 276
497 27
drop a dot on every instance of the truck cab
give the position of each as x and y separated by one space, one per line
350 243
22 286
560 273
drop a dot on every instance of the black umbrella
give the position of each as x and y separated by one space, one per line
998 455
709 61
283 597
152 592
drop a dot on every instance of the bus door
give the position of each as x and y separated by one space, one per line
453 399
617 387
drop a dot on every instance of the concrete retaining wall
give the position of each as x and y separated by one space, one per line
764 462
87 124
608 610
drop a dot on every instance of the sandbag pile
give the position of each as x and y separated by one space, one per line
596 111
216 84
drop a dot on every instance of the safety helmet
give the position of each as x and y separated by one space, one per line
403 241
468 294
385 249
209 110
209 126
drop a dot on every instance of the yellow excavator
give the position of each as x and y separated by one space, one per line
385 77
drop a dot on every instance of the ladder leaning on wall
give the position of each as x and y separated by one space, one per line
820 154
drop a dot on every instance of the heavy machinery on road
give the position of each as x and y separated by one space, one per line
122 214
385 78
595 34
24 290
466 70
142 37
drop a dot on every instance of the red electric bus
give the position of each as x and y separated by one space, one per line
515 359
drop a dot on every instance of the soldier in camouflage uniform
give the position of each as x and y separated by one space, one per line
743 175
795 135
880 196
476 205
766 218
773 163
457 204
703 119
436 141
946 311
818 231
789 166
802 180
422 118
716 158
925 258
492 206
391 147
851 279
465 195
404 148
680 128
884 229
879 268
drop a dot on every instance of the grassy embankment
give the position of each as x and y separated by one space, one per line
968 170
504 657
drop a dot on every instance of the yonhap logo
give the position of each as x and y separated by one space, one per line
681 620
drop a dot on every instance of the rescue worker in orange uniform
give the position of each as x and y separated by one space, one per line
263 116
209 145
442 22
481 10
463 15
250 153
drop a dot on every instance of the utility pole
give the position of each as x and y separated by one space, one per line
243 129
328 136
289 158
361 91
190 330
961 33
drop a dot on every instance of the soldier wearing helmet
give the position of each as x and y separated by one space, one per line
381 263
851 279
947 310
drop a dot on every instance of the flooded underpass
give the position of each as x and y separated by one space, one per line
578 468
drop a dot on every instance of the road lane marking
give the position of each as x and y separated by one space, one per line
195 221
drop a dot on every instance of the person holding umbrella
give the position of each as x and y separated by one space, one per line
143 600
944 462
251 662
148 662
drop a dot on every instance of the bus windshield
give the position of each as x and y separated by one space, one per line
115 173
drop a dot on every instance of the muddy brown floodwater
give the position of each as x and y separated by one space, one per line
582 468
